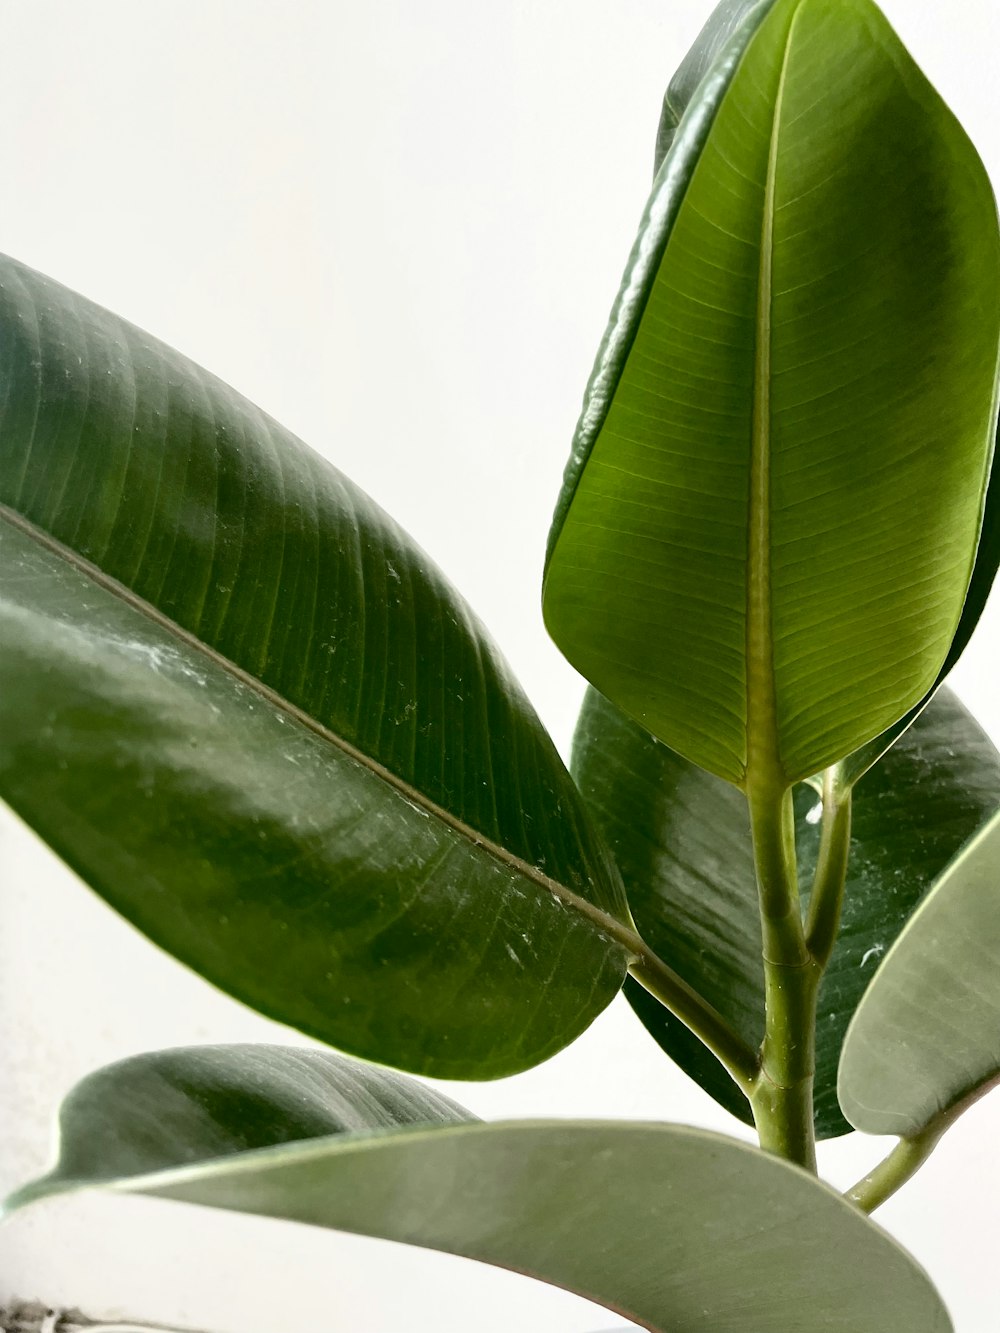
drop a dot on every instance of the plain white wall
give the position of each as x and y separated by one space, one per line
399 229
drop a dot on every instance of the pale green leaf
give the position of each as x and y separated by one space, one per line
679 1230
925 1041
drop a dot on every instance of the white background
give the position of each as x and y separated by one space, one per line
398 227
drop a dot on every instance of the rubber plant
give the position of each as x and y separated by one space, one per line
254 718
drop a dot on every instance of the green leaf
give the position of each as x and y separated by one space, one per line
716 49
771 512
252 715
983 575
681 838
925 1041
182 1106
672 1227
730 26
682 841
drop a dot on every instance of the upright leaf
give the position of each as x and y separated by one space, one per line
730 26
716 51
682 840
925 1041
252 715
983 574
671 1227
771 512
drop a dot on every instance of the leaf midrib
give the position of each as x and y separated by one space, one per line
763 761
607 924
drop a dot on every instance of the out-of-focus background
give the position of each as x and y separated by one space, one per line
399 229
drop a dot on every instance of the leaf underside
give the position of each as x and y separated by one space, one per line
770 517
925 1041
660 1223
729 28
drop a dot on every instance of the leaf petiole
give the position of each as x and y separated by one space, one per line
694 1011
827 896
895 1170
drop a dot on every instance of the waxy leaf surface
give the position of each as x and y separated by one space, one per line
682 840
925 1041
771 513
253 716
679 1230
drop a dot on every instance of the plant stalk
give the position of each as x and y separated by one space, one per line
782 1097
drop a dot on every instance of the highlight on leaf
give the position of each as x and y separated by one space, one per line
811 316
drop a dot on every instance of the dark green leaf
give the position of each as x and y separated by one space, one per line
682 841
771 513
671 1227
200 1103
250 713
925 1041
719 44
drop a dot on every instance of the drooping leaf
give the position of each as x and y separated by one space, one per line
682 840
925 1041
672 1227
250 713
771 512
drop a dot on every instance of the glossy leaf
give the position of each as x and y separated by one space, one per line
250 713
682 841
198 1103
716 49
672 1227
925 1041
731 25
771 513
983 576
681 838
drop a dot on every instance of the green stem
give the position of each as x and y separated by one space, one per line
782 1097
827 895
699 1016
912 1151
895 1170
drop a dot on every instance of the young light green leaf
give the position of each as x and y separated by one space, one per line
731 25
660 1223
856 765
925 1041
770 518
250 713
682 841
